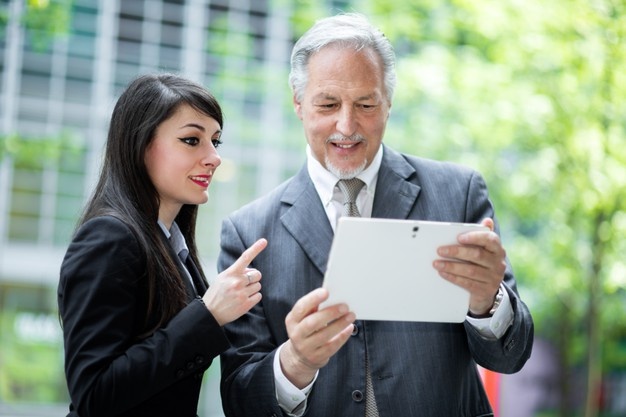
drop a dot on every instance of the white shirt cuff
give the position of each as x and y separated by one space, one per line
494 327
290 398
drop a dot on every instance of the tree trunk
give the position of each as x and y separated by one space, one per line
594 362
563 347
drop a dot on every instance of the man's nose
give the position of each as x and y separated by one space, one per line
346 121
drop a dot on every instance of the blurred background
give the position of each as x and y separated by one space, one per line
529 92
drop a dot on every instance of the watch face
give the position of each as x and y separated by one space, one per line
497 300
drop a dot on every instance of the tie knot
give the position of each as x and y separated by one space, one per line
350 189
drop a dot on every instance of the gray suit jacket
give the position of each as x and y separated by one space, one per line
418 369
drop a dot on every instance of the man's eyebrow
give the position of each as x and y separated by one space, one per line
328 96
370 96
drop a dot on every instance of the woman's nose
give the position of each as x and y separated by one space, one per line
212 158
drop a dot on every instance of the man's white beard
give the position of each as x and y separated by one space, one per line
344 174
341 174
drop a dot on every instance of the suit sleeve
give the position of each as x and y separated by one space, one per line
102 303
509 353
250 363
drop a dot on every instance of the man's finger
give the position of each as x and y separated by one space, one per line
489 223
307 304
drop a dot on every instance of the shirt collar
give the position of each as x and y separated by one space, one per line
175 236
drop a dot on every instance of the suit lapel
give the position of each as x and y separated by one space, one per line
396 188
305 219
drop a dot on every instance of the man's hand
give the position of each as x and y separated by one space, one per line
314 336
482 270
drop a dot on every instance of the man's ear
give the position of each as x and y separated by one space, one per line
297 107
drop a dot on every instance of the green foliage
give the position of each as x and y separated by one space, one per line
46 19
4 19
305 13
35 152
43 20
30 370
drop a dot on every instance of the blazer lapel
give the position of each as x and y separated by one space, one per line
396 188
305 219
198 282
192 269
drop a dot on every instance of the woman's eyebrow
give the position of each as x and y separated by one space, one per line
197 126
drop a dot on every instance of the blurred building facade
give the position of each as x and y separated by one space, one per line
62 89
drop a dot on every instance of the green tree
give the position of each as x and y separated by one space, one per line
531 94
43 20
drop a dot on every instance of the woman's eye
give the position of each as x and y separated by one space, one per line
216 142
193 141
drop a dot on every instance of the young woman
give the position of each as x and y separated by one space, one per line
140 323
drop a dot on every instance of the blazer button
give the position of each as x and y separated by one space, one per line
355 329
180 373
357 396
189 365
199 360
510 345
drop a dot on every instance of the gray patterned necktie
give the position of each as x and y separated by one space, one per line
350 189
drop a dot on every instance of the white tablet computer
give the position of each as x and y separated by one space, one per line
382 268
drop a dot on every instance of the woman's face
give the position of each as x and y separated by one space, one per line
181 160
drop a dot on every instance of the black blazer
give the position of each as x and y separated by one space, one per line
418 369
102 300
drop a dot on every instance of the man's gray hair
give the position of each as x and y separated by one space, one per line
350 30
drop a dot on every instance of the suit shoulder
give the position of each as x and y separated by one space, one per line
267 203
443 167
430 171
106 227
104 236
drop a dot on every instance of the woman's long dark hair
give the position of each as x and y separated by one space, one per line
124 188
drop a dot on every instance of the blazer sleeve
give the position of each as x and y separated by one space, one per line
509 353
102 300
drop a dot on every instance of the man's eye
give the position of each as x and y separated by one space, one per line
216 143
193 141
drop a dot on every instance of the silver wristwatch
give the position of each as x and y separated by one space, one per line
497 300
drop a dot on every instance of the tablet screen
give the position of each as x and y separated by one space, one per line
382 268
